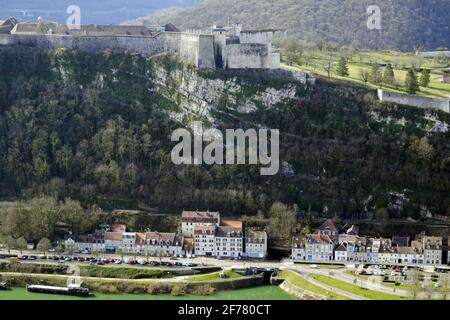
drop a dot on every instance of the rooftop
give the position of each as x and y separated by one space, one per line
206 230
231 223
229 232
199 216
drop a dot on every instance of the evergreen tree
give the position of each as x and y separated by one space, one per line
388 75
411 83
309 221
342 68
425 78
375 76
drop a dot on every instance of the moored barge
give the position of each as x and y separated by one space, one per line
71 290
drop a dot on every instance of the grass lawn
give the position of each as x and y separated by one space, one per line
123 272
363 60
214 276
375 295
393 285
301 282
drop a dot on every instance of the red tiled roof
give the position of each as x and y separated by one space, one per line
200 216
117 227
206 230
231 223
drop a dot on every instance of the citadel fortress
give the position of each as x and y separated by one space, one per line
215 48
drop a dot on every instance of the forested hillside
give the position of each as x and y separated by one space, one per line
406 24
96 128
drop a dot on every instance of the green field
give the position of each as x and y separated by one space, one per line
214 276
374 295
254 293
363 60
301 282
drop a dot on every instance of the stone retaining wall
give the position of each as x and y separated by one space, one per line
412 100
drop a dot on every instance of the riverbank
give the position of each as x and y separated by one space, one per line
264 292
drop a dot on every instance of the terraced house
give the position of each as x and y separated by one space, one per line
159 244
350 247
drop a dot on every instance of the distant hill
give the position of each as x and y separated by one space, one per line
406 24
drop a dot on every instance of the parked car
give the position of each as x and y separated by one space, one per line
52 250
32 258
142 262
23 258
99 263
118 261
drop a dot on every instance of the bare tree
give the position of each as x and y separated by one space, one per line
328 65
415 285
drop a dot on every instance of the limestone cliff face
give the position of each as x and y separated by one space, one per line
203 95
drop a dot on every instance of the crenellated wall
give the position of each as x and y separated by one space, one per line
142 45
195 48
267 36
412 100
205 51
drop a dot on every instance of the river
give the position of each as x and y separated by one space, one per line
254 293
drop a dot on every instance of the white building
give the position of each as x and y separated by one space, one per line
94 242
159 244
340 253
313 247
113 241
204 240
192 219
229 240
298 248
432 247
128 241
256 244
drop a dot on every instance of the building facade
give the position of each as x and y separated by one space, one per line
192 219
255 244
204 240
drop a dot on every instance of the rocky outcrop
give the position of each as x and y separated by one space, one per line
195 93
